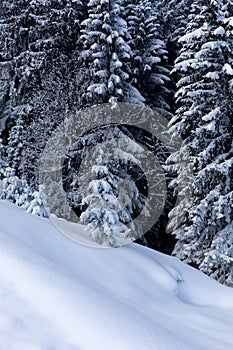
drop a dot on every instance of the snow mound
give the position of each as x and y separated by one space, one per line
56 294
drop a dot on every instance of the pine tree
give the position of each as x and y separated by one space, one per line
101 216
172 16
203 118
14 189
37 205
106 55
39 42
95 192
150 70
3 163
218 261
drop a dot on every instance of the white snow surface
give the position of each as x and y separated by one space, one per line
59 295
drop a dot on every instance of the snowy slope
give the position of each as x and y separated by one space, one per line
56 294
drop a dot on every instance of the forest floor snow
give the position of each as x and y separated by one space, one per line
58 295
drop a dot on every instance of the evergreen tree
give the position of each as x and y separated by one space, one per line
150 70
203 118
39 41
101 216
105 55
14 189
95 192
218 261
172 16
37 205
3 163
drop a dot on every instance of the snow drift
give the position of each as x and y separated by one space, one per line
56 294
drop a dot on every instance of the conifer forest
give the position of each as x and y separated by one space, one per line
173 58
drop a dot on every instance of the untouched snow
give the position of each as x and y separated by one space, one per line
56 294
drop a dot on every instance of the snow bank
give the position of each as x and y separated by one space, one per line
61 295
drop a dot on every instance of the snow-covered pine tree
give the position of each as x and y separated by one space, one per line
150 71
3 163
14 189
204 119
218 261
105 59
3 166
106 207
38 203
172 18
155 69
105 55
39 42
134 17
18 61
101 216
18 142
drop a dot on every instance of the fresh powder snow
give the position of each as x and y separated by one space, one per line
57 294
